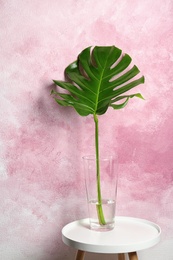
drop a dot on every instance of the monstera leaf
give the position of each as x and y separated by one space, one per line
97 80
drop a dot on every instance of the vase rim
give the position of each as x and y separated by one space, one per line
102 157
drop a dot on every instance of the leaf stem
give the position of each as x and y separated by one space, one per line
99 197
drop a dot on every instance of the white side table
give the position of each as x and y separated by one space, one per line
129 236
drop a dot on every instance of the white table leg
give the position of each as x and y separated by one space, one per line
121 256
80 255
133 256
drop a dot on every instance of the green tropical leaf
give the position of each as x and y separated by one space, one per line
97 79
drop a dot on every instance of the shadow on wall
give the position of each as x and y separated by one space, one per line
61 123
62 126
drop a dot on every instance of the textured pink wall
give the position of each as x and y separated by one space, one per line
41 144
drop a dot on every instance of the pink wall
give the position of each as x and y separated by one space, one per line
41 144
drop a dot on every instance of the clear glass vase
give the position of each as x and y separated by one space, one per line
101 188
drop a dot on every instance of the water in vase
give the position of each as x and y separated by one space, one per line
108 206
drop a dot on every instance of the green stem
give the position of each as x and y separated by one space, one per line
99 197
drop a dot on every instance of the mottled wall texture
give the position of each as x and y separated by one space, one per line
41 143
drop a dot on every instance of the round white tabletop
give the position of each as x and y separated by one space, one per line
129 235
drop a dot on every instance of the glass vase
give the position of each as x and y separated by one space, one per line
101 188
